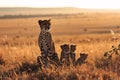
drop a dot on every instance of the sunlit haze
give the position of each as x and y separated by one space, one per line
101 4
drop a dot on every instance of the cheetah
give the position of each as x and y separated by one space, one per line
53 59
45 41
42 61
72 53
82 59
64 59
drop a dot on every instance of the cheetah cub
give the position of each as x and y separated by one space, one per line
82 59
64 59
72 53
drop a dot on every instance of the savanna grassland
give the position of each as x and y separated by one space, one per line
93 33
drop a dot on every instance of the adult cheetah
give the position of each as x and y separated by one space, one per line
45 41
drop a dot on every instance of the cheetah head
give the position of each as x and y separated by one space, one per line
83 56
65 47
72 47
44 24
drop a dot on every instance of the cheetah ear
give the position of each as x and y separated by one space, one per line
75 45
49 20
62 46
39 22
81 54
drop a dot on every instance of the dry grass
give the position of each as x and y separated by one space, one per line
18 43
25 49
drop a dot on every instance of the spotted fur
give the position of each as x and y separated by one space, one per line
45 42
53 58
72 53
82 59
64 59
45 39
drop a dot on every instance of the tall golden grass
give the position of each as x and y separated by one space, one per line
18 43
25 49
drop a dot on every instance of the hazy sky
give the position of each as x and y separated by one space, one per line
110 4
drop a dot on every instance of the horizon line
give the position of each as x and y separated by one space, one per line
60 7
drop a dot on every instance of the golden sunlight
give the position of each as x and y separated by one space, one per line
103 4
